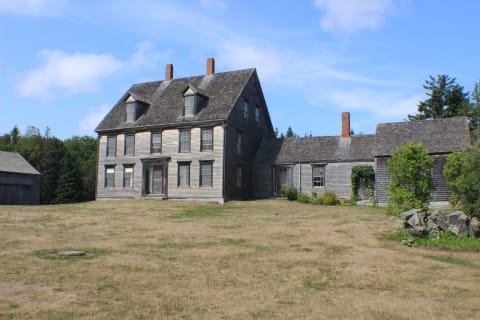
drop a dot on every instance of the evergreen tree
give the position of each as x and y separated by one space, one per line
53 153
446 99
475 112
84 151
69 182
290 133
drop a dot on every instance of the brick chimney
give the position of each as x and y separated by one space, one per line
169 72
345 124
210 66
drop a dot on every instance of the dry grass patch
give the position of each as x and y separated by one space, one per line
269 259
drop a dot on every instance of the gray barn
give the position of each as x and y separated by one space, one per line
19 181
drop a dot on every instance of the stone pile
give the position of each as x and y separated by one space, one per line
434 223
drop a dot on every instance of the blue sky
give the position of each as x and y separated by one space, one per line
64 63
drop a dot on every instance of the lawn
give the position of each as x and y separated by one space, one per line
269 259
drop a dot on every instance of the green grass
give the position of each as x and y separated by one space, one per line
455 261
447 241
199 212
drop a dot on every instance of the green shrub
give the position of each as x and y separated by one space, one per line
329 198
411 182
291 193
462 175
303 198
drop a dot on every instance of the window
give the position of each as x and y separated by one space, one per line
189 108
111 146
156 145
131 111
109 176
184 174
245 109
129 145
257 115
206 141
128 176
206 173
318 176
184 144
239 142
239 177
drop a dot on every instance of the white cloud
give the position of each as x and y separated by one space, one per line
269 63
71 72
88 124
352 15
64 73
381 104
33 7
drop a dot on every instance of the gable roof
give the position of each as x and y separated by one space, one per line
14 163
438 136
166 100
316 149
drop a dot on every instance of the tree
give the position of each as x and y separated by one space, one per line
446 99
50 166
69 182
411 182
462 175
84 154
475 112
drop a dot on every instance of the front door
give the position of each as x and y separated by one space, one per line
155 180
283 180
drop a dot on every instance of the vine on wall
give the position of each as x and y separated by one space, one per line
363 175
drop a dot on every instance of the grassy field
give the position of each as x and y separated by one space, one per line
269 259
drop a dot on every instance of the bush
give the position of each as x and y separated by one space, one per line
462 175
291 194
329 198
303 198
411 182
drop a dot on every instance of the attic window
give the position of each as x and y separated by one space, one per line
193 102
134 109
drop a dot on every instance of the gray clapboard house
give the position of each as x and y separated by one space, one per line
193 137
210 137
19 181
312 165
440 137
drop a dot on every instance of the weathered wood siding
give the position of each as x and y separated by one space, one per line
252 134
263 181
441 192
170 141
18 188
337 178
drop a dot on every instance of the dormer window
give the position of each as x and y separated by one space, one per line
133 109
193 101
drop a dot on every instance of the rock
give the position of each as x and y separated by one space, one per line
417 219
438 218
434 231
474 228
70 253
457 223
407 214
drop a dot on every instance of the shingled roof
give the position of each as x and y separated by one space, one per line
13 162
316 149
438 136
165 100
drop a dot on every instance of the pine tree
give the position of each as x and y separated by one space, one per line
446 99
69 183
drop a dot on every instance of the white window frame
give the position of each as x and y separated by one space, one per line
206 173
128 174
184 144
183 175
245 110
318 178
206 145
239 142
109 176
156 146
111 146
129 149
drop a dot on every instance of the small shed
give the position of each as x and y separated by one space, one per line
19 181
